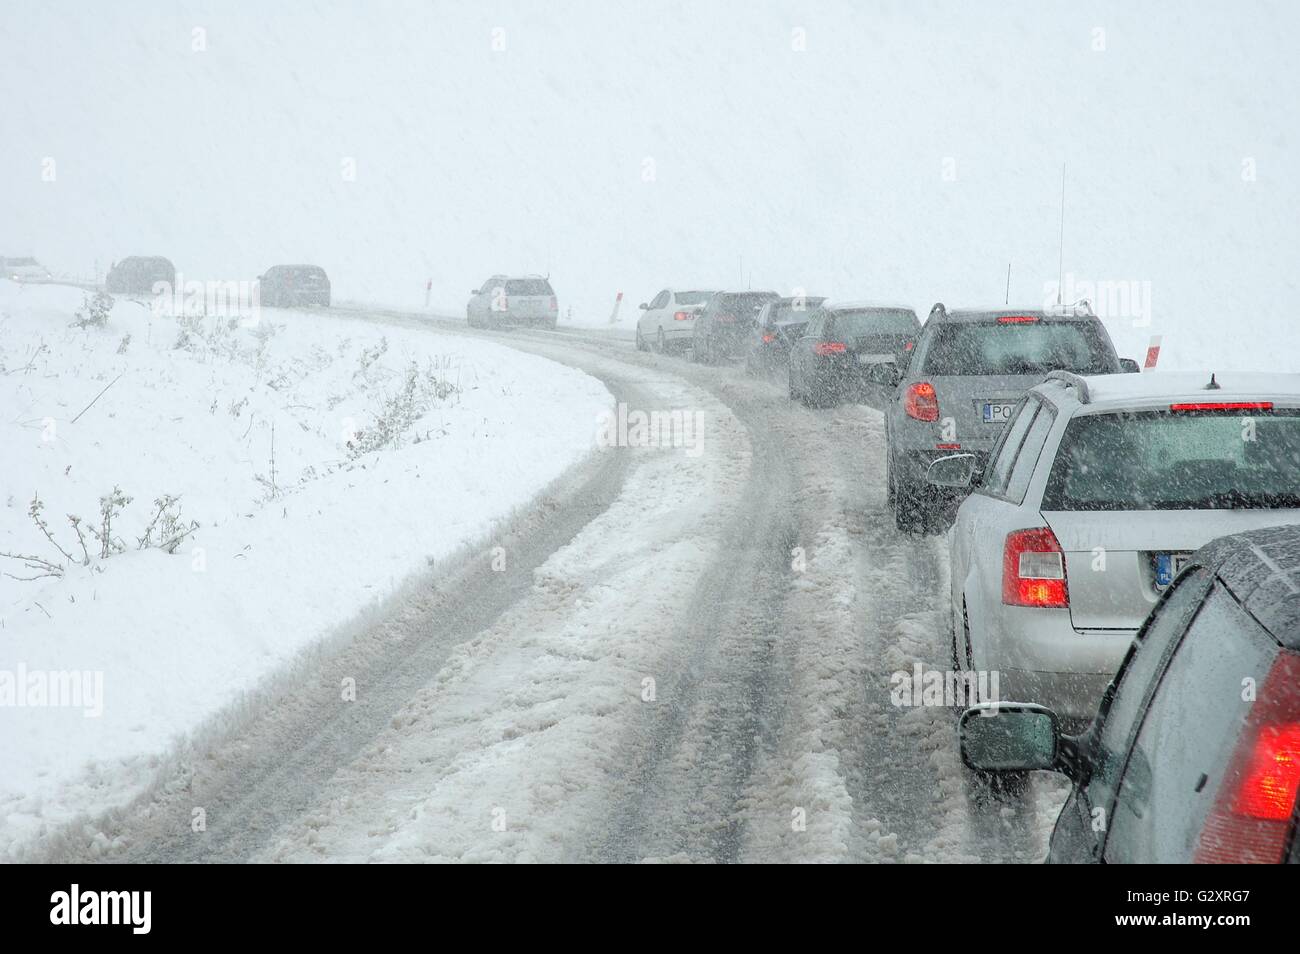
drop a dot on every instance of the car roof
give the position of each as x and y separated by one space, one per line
1262 570
862 305
1155 388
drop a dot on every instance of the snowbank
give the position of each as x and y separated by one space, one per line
324 460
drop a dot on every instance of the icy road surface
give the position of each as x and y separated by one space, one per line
651 674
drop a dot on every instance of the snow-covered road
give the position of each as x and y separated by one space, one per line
680 653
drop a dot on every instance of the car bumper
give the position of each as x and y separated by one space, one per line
1040 657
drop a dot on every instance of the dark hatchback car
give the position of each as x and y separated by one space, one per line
284 286
961 382
137 275
779 324
722 329
1194 755
847 347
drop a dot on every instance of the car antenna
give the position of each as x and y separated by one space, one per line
1007 300
1060 279
1213 385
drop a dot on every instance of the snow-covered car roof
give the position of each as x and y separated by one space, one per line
1108 391
863 305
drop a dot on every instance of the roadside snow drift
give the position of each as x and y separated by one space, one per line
188 504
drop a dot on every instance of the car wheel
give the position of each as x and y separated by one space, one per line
663 342
640 342
794 392
909 508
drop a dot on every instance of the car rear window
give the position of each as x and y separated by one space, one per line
1037 347
795 311
693 297
875 321
743 306
528 286
1161 460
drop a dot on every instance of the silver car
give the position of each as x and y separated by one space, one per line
518 300
1095 495
960 383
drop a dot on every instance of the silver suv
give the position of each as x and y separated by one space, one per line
963 379
513 300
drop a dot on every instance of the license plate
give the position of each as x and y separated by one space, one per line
1168 566
998 412
875 359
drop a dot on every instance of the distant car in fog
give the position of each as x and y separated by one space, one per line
667 321
513 300
961 382
848 346
779 324
137 275
286 286
24 270
722 328
1180 761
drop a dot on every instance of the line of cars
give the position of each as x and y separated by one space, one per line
1125 554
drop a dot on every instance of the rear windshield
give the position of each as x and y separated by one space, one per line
1023 348
1156 460
875 321
528 286
19 262
693 297
743 306
787 311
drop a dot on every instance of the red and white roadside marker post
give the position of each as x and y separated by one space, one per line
613 315
1153 353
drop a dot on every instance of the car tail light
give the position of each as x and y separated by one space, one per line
1033 569
920 401
682 316
1017 319
1250 822
823 348
1224 406
768 337
909 346
555 305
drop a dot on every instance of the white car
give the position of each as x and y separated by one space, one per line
513 300
24 270
1095 494
667 321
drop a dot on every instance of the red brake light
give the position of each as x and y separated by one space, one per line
824 348
920 402
1017 319
681 315
555 305
768 337
1224 406
909 346
1033 569
1251 818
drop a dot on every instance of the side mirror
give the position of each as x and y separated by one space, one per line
1130 366
955 470
1009 737
643 306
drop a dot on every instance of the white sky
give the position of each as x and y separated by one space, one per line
820 169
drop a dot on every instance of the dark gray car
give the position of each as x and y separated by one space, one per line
964 378
722 329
